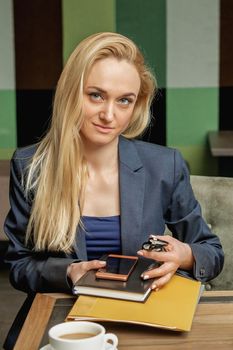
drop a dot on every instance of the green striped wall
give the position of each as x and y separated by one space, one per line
192 79
85 17
181 42
145 23
191 113
180 39
7 82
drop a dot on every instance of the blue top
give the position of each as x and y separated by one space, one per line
103 235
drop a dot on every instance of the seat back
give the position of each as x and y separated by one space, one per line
215 195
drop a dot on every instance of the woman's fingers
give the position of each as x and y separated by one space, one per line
160 282
176 251
89 265
176 255
94 264
158 256
76 270
162 274
162 270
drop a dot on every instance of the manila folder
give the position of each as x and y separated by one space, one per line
172 307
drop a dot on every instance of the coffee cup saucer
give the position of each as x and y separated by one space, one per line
48 347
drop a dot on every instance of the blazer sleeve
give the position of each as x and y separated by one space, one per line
184 219
30 271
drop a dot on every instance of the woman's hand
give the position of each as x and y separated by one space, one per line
176 255
76 270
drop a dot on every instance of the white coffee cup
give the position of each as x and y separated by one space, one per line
81 335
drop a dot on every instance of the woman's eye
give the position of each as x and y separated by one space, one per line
125 101
95 96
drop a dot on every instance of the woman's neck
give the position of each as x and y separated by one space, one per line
101 196
101 157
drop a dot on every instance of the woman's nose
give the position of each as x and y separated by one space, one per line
107 113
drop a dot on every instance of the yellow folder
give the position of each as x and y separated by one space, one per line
172 307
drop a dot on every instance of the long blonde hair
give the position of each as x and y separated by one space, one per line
57 173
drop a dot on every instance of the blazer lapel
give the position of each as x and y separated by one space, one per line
80 244
132 187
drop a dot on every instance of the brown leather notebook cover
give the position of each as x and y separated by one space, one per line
134 288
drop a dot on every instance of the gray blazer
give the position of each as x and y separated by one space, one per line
154 191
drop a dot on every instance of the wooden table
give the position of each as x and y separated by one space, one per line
221 143
212 326
221 146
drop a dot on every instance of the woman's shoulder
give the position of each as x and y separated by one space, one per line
150 155
148 149
22 157
25 153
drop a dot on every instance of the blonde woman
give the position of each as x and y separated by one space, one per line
89 188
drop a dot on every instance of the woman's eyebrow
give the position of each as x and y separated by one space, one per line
105 92
97 88
128 94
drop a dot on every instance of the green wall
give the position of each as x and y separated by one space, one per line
145 23
85 17
7 82
180 40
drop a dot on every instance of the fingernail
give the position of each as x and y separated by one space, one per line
153 286
146 277
102 262
140 252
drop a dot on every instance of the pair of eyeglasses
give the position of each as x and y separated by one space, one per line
154 244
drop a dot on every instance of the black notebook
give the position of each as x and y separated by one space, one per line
135 288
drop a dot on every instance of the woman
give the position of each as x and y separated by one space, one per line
88 188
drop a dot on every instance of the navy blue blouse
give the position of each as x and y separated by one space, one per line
103 235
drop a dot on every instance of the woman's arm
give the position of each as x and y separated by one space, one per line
30 270
193 247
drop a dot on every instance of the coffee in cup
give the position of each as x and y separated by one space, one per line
77 335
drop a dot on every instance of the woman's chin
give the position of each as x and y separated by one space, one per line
100 140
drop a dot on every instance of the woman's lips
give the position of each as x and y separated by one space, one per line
103 128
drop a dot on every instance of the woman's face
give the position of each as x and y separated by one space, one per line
110 94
